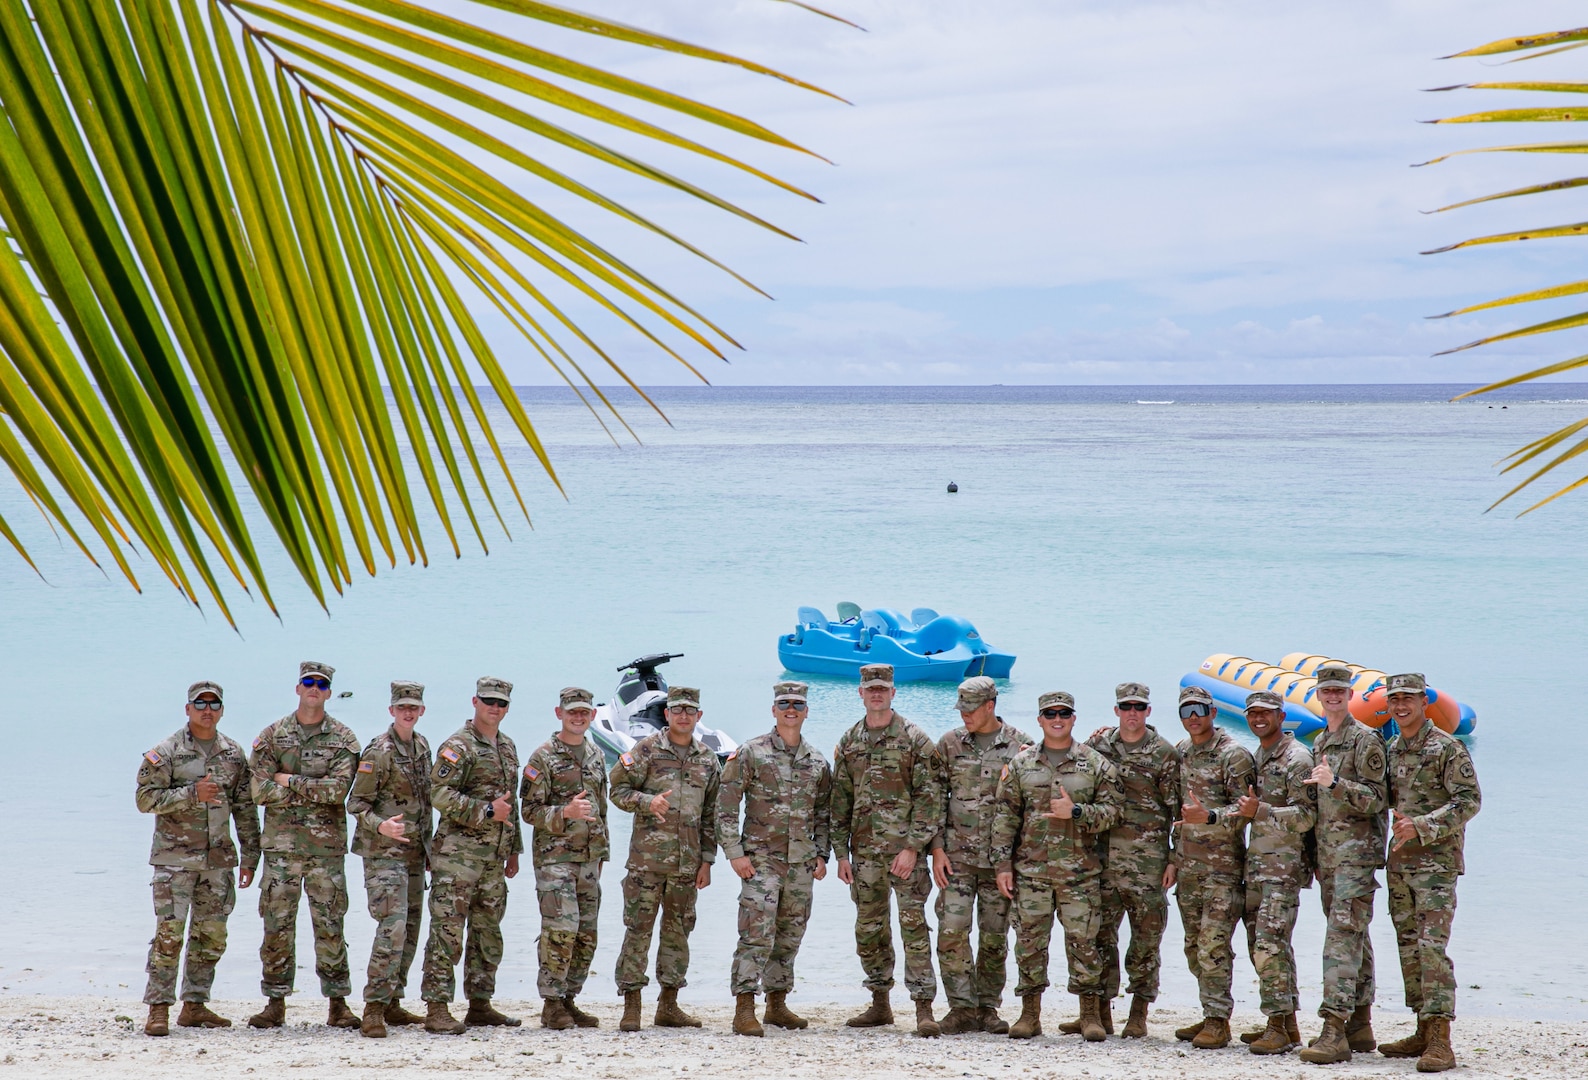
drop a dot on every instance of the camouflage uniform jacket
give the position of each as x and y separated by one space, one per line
1040 848
554 774
393 778
787 798
1149 771
887 792
309 815
1219 772
687 837
1351 816
469 774
187 833
1433 783
970 790
1279 850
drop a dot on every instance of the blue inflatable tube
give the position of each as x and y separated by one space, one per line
1231 700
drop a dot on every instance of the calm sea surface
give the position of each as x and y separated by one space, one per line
1099 537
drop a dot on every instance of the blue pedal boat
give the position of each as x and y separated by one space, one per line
925 647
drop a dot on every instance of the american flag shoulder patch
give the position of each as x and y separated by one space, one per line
366 766
153 757
1005 774
259 742
450 754
627 759
531 773
733 755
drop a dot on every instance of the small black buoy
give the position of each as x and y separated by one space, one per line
952 487
1505 406
345 694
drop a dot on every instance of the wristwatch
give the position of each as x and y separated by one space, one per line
1334 782
1213 817
490 811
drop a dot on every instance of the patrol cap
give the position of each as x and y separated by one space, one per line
1411 683
1333 675
1195 693
1132 691
683 695
492 687
975 692
314 667
575 697
407 693
791 691
876 675
1265 699
204 686
1056 699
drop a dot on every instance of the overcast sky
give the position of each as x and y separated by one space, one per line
1059 191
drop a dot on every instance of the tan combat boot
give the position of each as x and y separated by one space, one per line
1136 1026
878 1014
1029 1026
926 1024
438 1021
991 1022
744 1021
668 1013
1249 1037
778 1012
1190 1031
1092 1029
1359 1030
631 1012
482 1014
1275 1038
580 1017
960 1020
197 1014
1215 1034
554 1015
273 1015
1105 1014
1411 1046
159 1022
397 1016
1292 1029
1071 1027
1330 1047
1440 1055
339 1015
373 1025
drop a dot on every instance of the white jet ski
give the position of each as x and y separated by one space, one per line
640 709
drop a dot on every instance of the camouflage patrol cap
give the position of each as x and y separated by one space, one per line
202 687
1411 683
975 692
1333 675
1056 699
407 693
683 695
1195 693
314 667
492 687
1132 691
791 691
1265 699
575 697
876 675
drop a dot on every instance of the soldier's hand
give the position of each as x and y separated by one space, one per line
1322 774
511 869
659 803
1249 804
579 808
503 810
394 828
846 872
1099 733
942 869
282 779
818 868
1193 812
703 875
743 867
1404 828
1062 807
903 864
1006 883
1169 877
207 790
245 877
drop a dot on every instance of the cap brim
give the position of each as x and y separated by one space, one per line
408 701
869 683
1121 701
1334 684
789 697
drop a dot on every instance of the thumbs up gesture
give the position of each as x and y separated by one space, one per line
659 803
579 808
1193 812
394 827
1249 805
1061 806
1404 828
207 790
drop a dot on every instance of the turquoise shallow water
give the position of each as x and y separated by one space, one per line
1098 538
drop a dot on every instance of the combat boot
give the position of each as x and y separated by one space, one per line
1440 1055
197 1014
1092 1029
580 1017
778 1012
1071 1027
339 1015
926 1024
668 1014
159 1022
397 1016
1359 1030
1190 1031
1412 1045
1215 1034
1029 1026
991 1022
631 1012
374 1023
1249 1037
1330 1047
1275 1038
744 1021
554 1015
273 1015
878 1014
1136 1026
438 1021
960 1020
481 1014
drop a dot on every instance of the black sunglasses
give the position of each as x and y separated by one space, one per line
1194 708
316 682
1062 714
1132 706
203 706
797 706
493 702
683 710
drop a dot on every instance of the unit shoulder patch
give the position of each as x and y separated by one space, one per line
1466 770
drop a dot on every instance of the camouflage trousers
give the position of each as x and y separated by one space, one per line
286 879
874 931
1138 892
570 901
469 897
193 904
396 892
644 895
1210 906
1079 908
1347 895
774 906
1271 909
972 981
1422 906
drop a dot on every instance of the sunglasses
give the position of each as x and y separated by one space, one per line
493 702
683 710
1062 714
203 706
317 683
797 706
1132 706
1195 708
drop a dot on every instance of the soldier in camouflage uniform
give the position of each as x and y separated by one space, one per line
1210 860
781 850
887 807
973 757
564 797
196 785
1353 795
1433 794
301 771
475 851
669 782
1054 801
1138 855
1282 808
390 806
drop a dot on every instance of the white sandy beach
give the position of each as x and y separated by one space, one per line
97 1036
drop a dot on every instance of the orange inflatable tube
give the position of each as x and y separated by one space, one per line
1372 708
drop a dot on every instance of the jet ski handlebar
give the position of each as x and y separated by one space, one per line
651 662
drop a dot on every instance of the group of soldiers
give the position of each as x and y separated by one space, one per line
1009 829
